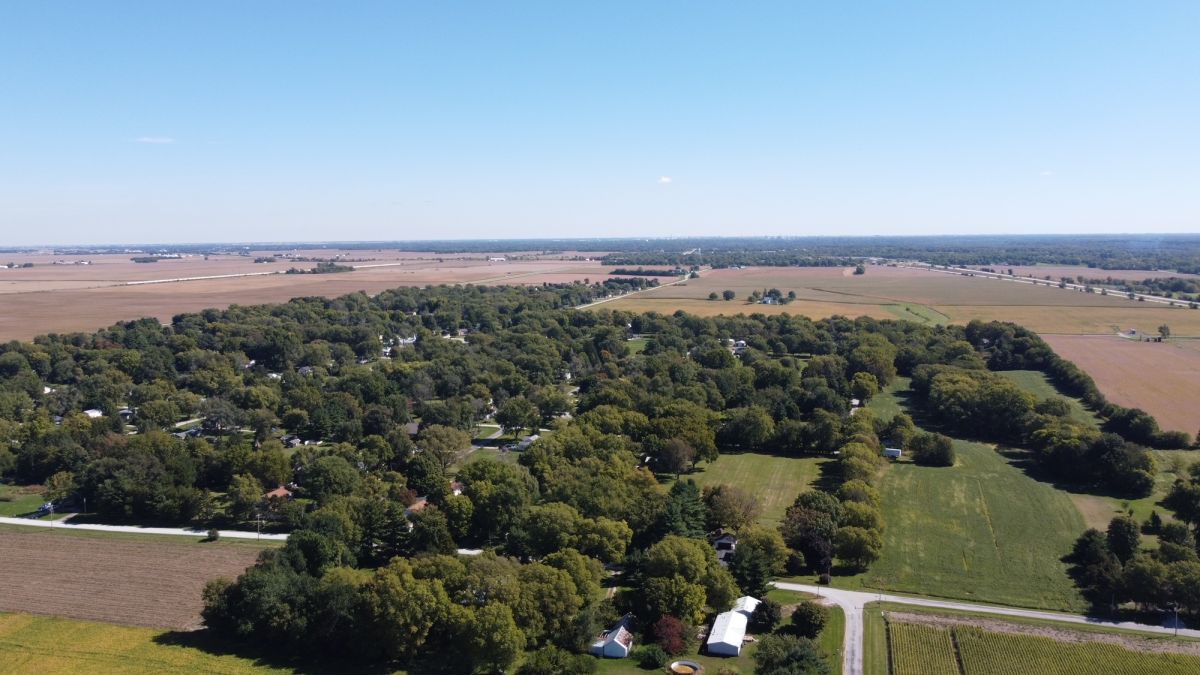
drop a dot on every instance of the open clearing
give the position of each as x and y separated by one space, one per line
967 532
932 644
1160 378
1035 382
118 580
43 645
963 532
774 480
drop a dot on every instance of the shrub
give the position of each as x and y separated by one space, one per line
766 616
796 564
670 634
824 579
809 619
213 535
931 449
652 657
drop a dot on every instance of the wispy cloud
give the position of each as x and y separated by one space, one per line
1046 173
664 180
154 140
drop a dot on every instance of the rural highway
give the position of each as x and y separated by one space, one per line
1046 282
852 603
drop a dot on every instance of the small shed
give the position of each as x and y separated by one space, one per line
892 453
93 413
615 643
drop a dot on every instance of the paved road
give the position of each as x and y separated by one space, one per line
852 603
680 280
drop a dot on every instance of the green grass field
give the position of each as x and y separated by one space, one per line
17 501
890 401
42 645
980 530
776 480
1036 383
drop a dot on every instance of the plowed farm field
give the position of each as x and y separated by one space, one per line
1158 377
138 583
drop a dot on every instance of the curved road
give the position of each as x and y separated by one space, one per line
852 603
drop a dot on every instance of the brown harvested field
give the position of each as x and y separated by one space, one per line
1071 320
116 580
64 298
1160 378
1057 272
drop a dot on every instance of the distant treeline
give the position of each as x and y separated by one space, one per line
1164 286
640 271
1179 252
322 268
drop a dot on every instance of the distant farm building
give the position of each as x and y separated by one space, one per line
729 629
892 453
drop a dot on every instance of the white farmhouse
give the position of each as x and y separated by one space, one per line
615 643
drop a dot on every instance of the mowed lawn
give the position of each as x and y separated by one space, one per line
775 480
981 530
44 645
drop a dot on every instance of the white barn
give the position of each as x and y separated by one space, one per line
729 629
615 643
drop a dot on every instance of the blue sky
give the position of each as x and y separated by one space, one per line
233 121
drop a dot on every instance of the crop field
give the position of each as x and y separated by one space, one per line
63 298
775 480
117 580
988 653
914 294
933 644
45 645
1158 377
917 649
1056 272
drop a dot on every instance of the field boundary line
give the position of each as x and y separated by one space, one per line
134 529
958 658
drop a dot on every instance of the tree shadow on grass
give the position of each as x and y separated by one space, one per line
1023 459
209 643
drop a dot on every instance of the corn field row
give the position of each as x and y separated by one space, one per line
918 649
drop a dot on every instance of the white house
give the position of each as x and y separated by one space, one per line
729 629
93 413
616 642
892 453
